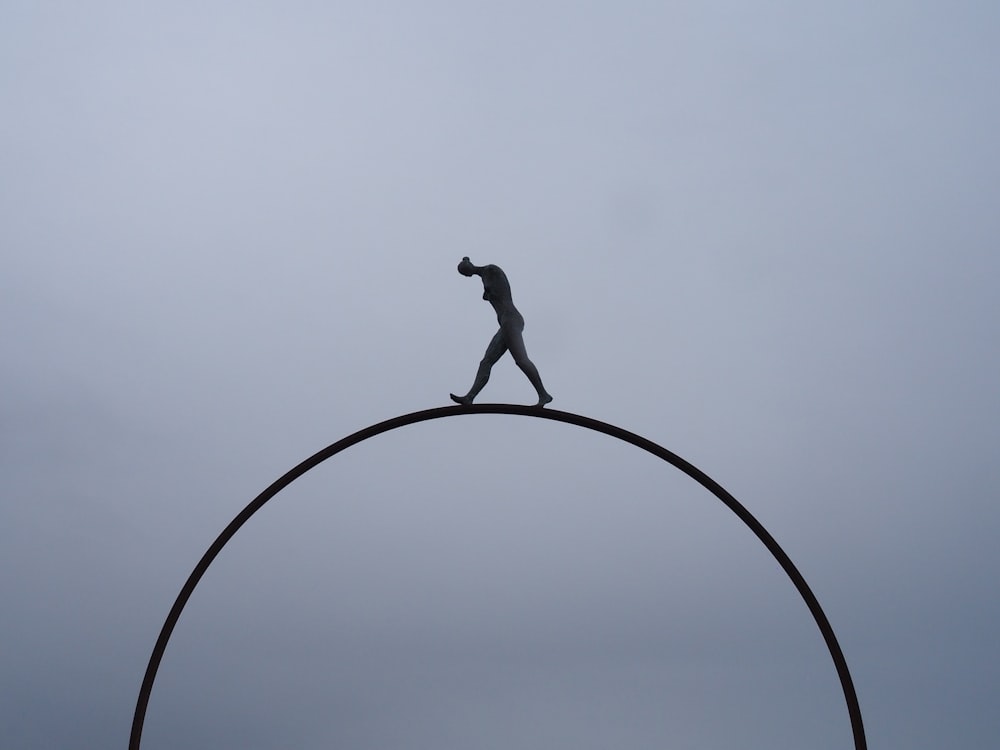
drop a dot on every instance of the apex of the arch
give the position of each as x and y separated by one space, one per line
465 401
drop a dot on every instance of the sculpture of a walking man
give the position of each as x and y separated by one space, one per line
496 291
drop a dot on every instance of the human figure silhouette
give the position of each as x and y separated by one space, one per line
496 291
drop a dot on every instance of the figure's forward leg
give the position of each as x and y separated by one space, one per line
515 341
494 351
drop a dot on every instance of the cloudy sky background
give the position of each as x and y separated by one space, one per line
761 234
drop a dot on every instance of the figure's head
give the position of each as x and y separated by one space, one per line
465 267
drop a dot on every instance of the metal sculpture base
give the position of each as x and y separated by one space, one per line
853 708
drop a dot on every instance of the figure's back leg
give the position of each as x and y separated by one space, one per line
496 349
515 342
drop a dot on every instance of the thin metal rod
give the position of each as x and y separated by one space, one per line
853 707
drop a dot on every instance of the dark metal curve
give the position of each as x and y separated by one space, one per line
853 707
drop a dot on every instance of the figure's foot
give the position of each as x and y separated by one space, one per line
463 400
542 400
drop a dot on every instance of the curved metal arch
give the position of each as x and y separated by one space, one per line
853 707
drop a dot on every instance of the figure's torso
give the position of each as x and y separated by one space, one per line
496 291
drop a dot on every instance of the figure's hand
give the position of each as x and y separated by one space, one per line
465 267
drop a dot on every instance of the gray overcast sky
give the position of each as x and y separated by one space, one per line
761 234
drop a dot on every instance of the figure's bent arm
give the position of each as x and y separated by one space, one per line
468 268
496 288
